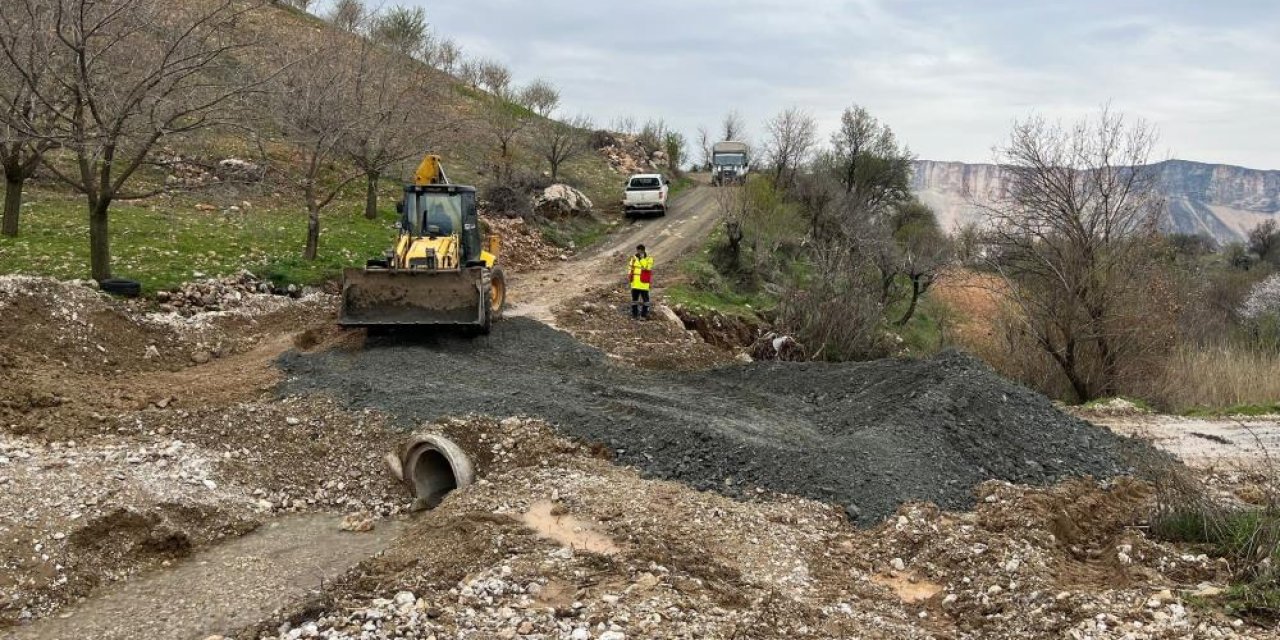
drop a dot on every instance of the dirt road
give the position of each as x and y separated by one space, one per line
693 214
1243 443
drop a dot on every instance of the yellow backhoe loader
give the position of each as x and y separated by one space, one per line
440 271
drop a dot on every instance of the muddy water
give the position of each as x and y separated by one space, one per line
222 589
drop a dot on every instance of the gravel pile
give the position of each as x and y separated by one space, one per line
869 436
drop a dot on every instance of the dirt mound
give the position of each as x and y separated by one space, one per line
76 326
70 355
602 319
523 247
870 436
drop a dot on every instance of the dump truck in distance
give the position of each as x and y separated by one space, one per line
729 163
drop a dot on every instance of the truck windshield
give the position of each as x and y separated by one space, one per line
730 159
644 184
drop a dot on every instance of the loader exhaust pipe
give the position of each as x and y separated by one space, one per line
432 466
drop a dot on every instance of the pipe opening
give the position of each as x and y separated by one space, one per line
433 478
433 466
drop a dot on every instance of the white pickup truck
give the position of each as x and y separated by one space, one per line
646 193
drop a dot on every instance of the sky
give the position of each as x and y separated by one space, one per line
949 77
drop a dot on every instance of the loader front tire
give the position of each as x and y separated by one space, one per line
497 293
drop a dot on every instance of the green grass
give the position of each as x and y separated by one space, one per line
680 185
1248 410
574 233
1248 537
702 286
168 242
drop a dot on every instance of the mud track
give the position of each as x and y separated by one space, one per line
866 435
690 219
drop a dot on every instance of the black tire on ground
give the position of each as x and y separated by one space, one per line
121 287
662 213
486 318
498 287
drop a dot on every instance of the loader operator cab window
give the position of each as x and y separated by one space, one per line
445 214
439 214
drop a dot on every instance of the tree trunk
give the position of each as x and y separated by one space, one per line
915 297
99 240
733 231
313 233
555 170
371 195
12 204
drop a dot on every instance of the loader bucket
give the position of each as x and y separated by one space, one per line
392 297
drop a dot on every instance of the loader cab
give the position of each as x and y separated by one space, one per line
439 210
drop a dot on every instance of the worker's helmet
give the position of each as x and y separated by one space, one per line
639 247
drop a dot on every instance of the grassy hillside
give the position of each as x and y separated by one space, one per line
220 228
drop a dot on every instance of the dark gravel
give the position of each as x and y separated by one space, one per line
867 435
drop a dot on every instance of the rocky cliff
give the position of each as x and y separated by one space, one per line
1222 201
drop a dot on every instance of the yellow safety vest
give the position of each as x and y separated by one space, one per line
641 272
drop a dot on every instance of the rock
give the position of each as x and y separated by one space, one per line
357 523
151 353
613 635
201 357
580 634
898 564
525 628
292 421
405 598
209 484
562 199
205 207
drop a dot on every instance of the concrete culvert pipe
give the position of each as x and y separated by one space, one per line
432 466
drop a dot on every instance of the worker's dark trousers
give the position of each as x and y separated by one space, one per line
639 310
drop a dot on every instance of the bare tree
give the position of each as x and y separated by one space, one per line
24 63
348 15
495 77
792 135
704 147
624 124
675 146
561 142
733 127
469 73
504 122
1073 236
313 104
402 29
303 5
127 74
448 55
540 97
386 127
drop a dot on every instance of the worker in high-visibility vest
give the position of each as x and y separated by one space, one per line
640 276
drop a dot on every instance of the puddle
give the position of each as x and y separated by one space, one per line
221 589
567 530
907 591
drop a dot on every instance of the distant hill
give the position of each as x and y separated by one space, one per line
1219 200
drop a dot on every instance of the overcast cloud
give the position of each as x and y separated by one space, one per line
949 77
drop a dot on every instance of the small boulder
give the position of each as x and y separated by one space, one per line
562 199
